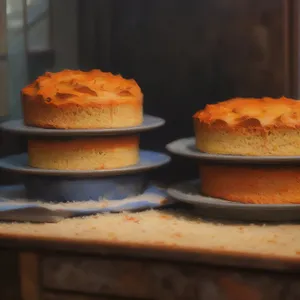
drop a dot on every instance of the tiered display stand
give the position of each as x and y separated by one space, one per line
64 186
189 191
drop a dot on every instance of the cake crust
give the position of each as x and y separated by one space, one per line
245 126
84 153
77 100
249 184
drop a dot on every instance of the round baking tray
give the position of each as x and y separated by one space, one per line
65 189
18 127
148 160
188 191
186 147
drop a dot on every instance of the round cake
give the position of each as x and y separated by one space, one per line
246 126
82 100
84 153
252 184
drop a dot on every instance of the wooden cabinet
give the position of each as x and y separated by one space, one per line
66 276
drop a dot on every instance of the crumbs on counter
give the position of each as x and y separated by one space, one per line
132 219
166 217
177 235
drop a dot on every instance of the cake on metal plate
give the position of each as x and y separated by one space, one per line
249 127
256 127
83 100
73 99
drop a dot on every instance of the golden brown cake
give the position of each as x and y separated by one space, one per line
84 154
77 99
248 184
249 127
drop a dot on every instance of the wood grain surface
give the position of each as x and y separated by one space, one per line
157 234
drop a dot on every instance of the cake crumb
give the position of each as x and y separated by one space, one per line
166 217
133 219
177 235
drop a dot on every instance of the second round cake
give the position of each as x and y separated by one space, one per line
94 153
248 126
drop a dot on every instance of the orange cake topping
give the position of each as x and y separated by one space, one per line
265 112
69 86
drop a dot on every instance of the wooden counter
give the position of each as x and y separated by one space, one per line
77 254
161 232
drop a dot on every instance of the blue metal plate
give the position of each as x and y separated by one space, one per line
14 206
186 147
189 192
148 160
18 127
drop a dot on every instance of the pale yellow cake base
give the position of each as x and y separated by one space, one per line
84 154
219 139
74 116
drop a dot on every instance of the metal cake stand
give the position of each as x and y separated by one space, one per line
64 186
189 191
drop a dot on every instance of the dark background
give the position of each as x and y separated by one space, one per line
183 54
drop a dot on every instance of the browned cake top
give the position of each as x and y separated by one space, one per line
264 112
74 86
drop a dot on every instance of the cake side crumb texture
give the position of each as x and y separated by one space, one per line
251 184
84 153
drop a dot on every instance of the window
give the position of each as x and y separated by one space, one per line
24 29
